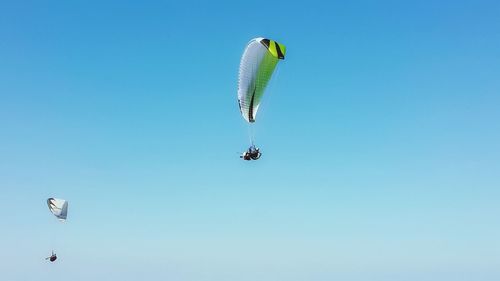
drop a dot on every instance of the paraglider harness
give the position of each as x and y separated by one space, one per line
52 257
252 153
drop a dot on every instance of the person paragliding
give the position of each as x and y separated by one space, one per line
257 65
52 257
59 208
253 153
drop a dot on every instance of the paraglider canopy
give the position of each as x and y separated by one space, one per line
58 207
256 68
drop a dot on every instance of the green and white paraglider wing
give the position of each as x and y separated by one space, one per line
58 207
256 68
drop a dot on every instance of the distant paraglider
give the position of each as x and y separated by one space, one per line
256 68
59 208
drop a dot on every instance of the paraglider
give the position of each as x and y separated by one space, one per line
52 257
253 153
256 68
59 208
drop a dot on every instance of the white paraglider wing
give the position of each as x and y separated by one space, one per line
58 207
256 68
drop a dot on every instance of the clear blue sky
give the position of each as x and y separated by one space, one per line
380 134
